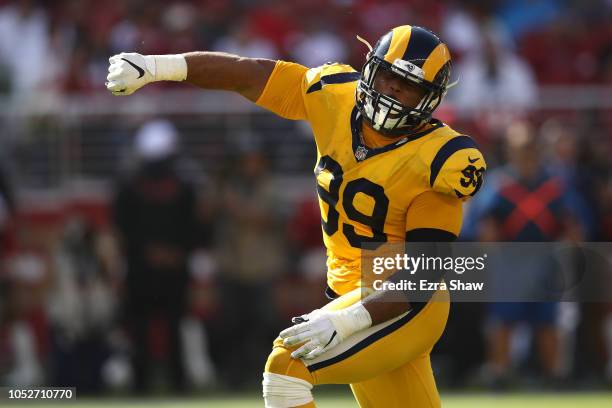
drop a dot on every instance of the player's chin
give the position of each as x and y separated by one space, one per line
391 120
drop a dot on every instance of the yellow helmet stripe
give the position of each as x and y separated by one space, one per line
438 57
399 43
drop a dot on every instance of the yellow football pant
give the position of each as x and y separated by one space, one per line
387 366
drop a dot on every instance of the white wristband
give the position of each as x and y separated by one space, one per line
167 67
351 320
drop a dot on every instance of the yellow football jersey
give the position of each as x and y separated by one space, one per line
371 194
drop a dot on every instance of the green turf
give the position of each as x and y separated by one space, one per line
448 401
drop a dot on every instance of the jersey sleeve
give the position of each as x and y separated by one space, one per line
433 210
458 168
285 90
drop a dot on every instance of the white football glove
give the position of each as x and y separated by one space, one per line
322 330
129 72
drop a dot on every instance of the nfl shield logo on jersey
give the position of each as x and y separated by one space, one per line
361 153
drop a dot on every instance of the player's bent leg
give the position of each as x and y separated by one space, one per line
287 382
381 349
411 385
384 347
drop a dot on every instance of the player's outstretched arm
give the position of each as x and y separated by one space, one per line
216 70
128 72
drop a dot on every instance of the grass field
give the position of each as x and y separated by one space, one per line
563 400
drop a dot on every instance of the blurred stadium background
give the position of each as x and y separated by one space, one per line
155 245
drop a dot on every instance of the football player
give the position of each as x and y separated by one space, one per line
386 171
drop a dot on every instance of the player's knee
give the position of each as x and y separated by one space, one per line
280 362
283 391
287 382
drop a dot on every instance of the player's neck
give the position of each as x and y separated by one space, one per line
374 140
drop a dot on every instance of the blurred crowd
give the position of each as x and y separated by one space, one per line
171 281
66 43
180 282
181 279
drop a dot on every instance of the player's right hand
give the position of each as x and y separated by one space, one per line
128 72
316 331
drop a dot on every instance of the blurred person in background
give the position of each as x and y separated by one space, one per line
527 203
493 77
461 25
565 158
25 271
24 36
594 333
155 215
24 330
606 235
303 287
82 306
251 252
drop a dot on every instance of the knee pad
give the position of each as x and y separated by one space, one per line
282 391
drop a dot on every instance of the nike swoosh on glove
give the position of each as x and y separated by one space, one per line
321 330
128 72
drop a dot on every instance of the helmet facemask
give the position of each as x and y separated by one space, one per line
387 115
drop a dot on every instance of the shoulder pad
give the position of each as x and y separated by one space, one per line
457 168
334 73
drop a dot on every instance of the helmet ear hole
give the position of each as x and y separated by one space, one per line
443 76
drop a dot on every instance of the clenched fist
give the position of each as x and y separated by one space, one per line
128 72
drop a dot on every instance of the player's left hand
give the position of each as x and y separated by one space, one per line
322 330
